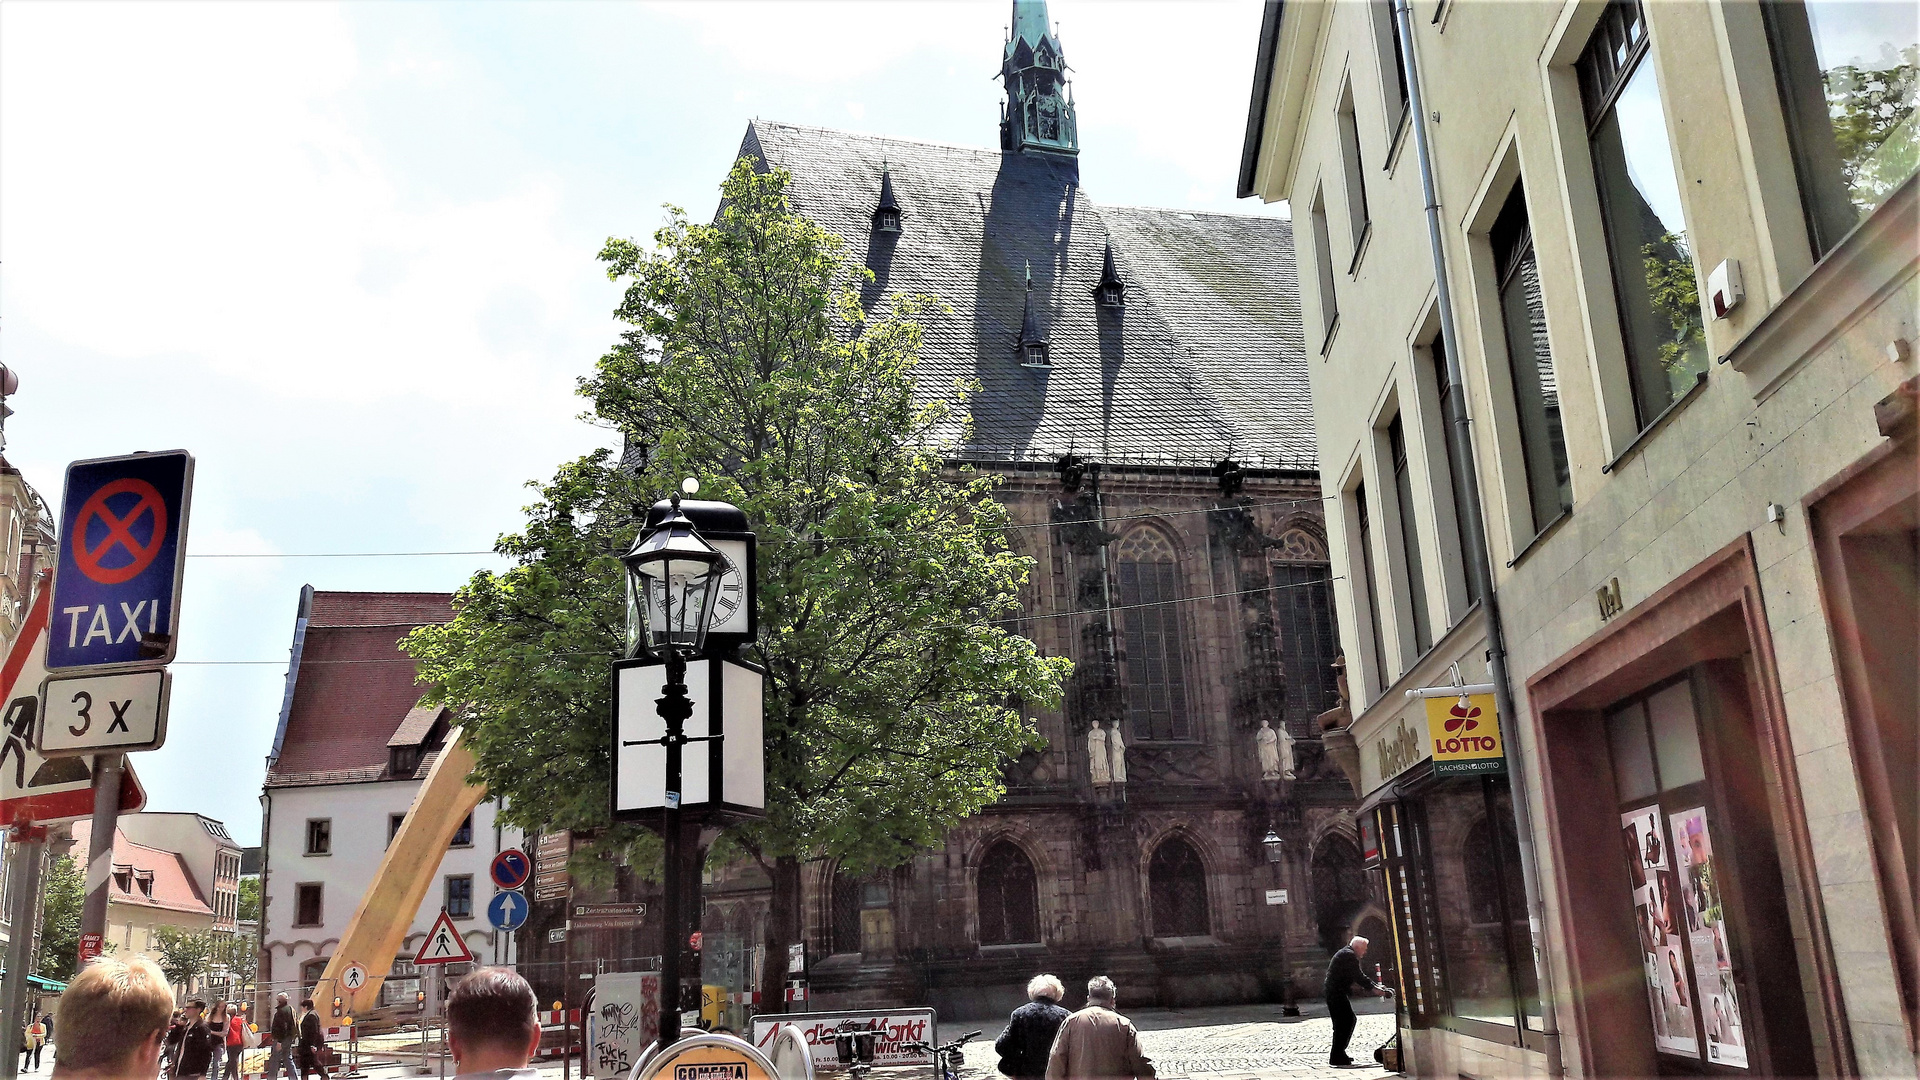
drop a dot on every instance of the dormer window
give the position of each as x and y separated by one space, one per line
886 216
1031 348
1033 354
1111 292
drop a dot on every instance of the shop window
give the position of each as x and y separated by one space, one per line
1309 641
1407 875
1148 575
1849 76
1655 286
306 904
1009 899
1404 500
1536 393
1177 880
1476 906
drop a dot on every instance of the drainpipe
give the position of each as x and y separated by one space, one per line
1479 569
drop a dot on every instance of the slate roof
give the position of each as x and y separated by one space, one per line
1205 360
354 688
165 873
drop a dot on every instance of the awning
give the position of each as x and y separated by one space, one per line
41 983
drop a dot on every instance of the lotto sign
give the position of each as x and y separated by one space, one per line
1466 736
35 788
116 585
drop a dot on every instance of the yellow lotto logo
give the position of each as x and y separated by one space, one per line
1465 733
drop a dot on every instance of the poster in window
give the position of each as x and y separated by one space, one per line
1707 938
1658 914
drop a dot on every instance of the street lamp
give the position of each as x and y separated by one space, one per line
1276 848
670 569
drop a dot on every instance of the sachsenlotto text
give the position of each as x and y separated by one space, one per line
1465 732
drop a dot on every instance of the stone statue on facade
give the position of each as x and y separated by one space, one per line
1097 760
1119 748
1275 749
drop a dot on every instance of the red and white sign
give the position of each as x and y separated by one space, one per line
91 945
894 1030
35 789
444 945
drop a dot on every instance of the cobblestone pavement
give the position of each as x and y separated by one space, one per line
1249 1042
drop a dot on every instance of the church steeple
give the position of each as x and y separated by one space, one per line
1038 114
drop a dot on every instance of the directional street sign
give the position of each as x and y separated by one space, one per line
123 526
508 910
35 788
444 945
511 868
104 713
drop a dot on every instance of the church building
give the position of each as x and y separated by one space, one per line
1142 388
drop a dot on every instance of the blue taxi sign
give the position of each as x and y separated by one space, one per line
116 584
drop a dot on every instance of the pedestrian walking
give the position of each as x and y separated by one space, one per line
1025 1044
1343 974
491 1026
281 1029
217 1026
236 1040
176 1031
196 1044
312 1041
1097 1043
115 1015
36 1037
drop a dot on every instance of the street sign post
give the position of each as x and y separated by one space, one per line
511 869
354 977
444 945
508 910
116 584
103 713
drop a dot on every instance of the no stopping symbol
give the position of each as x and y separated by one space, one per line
511 869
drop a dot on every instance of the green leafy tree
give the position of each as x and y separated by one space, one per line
248 907
894 694
1675 294
64 894
1874 129
184 954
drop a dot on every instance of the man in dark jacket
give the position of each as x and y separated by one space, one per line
1343 974
1024 1046
196 1045
311 1040
281 1028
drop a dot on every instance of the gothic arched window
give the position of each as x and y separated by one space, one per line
1177 880
1339 888
1009 898
848 893
1148 574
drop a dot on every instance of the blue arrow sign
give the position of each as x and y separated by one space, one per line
511 868
116 584
507 910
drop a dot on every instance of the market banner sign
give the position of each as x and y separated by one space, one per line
1465 732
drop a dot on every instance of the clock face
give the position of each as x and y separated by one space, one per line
730 606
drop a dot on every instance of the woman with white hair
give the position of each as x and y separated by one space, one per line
1024 1046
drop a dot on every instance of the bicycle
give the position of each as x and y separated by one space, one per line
946 1058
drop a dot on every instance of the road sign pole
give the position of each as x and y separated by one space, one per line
28 844
106 818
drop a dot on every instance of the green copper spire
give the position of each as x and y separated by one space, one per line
1038 114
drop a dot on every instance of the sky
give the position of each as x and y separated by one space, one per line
346 254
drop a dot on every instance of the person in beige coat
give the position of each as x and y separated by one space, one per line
1097 1043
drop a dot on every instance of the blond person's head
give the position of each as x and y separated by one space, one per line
112 1020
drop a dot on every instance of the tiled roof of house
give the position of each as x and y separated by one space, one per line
354 688
145 876
1205 359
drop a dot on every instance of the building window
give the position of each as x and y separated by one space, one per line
463 836
1309 639
1849 77
1480 907
1409 537
1368 582
1536 393
394 822
1356 183
306 904
460 896
1339 890
319 836
846 913
1655 287
1323 268
1456 479
1177 880
1149 579
1009 897
1393 80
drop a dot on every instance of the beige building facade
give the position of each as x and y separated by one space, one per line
1680 243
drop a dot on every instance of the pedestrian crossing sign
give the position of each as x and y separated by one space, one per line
444 945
